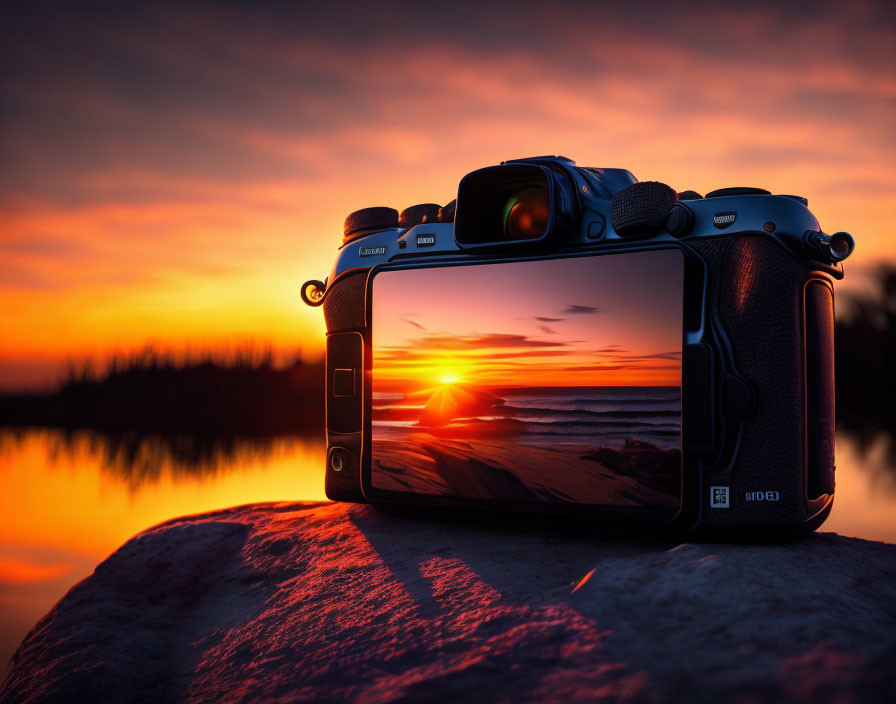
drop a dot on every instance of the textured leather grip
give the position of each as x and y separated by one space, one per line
756 288
344 304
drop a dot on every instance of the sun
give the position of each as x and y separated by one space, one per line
450 370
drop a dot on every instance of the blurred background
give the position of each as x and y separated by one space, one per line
170 174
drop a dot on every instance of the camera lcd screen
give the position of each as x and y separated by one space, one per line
554 380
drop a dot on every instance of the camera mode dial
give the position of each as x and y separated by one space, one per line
417 214
368 219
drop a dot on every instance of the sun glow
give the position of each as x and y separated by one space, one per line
448 369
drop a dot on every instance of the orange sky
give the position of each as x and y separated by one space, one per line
585 321
172 174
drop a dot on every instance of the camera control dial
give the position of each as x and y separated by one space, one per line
737 191
446 212
640 210
417 214
366 220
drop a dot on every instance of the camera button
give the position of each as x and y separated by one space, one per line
596 229
344 383
340 459
679 220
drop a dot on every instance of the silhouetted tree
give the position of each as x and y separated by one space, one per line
865 355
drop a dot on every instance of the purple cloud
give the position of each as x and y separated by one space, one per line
574 309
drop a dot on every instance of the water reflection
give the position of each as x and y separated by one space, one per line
137 458
75 489
865 498
866 377
70 498
876 453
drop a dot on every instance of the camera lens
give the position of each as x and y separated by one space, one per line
527 214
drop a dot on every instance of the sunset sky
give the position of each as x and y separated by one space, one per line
170 173
588 321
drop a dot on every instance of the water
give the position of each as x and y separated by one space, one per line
594 416
514 439
607 416
67 502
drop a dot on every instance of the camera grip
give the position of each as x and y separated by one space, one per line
757 294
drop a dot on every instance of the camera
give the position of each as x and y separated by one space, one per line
568 339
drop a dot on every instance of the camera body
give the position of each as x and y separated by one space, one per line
757 348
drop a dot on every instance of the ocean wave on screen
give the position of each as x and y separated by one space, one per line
541 426
552 417
523 412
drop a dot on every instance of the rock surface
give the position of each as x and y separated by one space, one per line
292 602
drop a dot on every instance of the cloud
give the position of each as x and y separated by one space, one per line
414 323
491 341
547 330
194 156
26 571
408 357
617 352
536 353
675 355
613 366
577 309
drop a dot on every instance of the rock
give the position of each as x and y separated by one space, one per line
287 602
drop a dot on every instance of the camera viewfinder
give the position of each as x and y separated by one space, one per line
502 204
